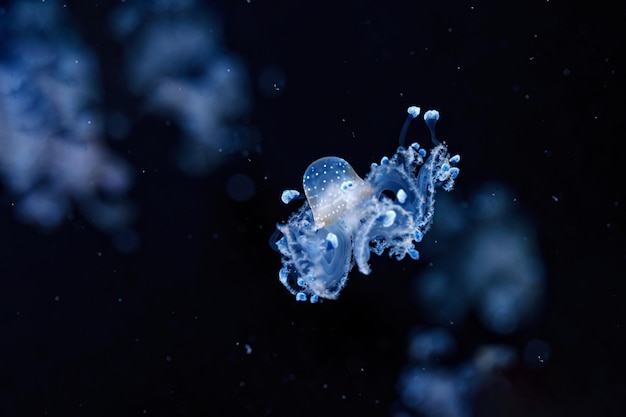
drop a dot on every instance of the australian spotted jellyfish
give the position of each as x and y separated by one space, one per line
345 217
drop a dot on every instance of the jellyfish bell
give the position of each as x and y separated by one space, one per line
333 190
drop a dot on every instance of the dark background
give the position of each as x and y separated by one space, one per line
531 95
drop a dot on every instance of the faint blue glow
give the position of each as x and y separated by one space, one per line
497 271
432 387
52 150
176 63
427 345
436 393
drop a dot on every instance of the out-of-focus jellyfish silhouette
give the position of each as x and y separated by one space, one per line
496 273
345 217
496 270
436 384
176 63
52 150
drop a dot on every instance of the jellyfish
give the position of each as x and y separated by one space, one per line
345 217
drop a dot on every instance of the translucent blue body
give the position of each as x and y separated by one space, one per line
346 218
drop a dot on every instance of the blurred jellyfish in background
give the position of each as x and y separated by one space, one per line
436 384
176 64
52 149
497 276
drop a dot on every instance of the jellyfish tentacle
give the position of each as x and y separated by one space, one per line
413 112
